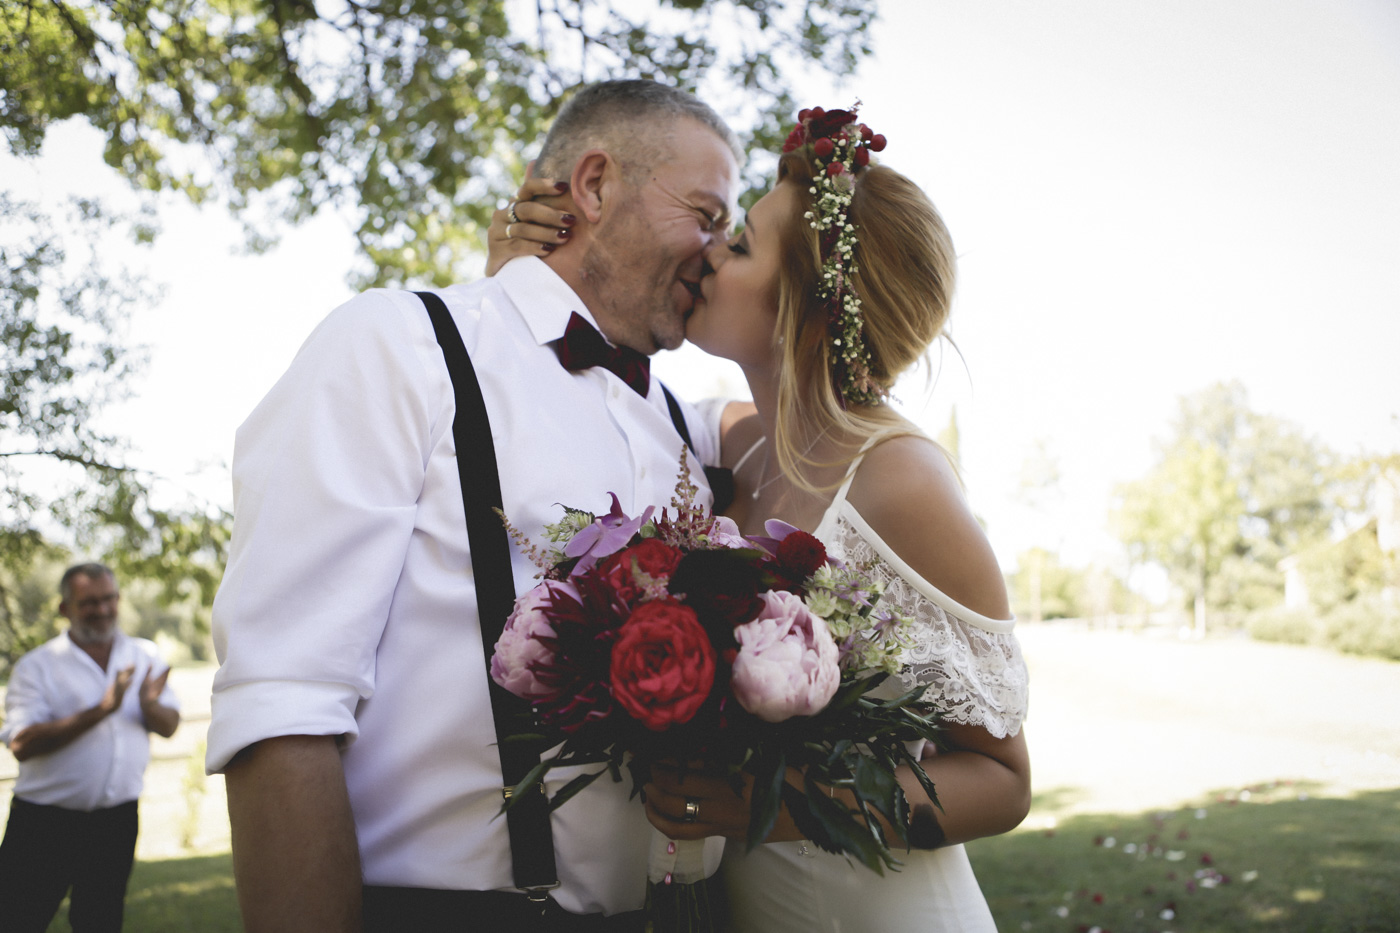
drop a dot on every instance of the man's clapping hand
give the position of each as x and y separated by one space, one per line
116 690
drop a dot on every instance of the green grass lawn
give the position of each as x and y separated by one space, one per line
183 895
1274 859
1270 859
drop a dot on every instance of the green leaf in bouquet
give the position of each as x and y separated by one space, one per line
851 692
769 774
573 787
924 780
838 751
878 785
831 827
528 785
904 700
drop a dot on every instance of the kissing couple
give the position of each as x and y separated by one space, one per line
353 716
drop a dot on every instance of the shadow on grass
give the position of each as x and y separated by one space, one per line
1270 858
177 896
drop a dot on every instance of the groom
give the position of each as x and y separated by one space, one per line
351 713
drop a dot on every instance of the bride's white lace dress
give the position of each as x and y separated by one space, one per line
975 675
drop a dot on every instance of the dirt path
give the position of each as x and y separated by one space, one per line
1127 722
1119 723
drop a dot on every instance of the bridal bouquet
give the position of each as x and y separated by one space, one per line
671 637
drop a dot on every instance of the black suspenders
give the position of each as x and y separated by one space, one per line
531 841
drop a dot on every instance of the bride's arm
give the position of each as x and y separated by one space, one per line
910 495
982 782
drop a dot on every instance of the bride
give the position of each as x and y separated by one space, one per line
840 280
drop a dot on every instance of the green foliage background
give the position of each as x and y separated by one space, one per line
411 116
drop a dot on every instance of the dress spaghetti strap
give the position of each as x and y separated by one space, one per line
749 453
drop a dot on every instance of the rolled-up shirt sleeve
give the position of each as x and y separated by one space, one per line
327 475
25 705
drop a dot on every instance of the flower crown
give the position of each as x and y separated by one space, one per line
840 146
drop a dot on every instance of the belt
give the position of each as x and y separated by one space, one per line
429 910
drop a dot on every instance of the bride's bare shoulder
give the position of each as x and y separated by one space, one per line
908 492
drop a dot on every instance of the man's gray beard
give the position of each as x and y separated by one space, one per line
85 636
620 291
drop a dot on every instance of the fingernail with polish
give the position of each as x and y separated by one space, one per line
547 247
565 234
568 220
561 186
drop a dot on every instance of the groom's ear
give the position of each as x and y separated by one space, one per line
592 180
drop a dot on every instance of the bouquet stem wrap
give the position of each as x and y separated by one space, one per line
680 897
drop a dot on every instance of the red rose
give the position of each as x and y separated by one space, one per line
652 557
828 122
801 554
662 665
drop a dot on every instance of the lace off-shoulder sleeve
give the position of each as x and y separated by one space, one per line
971 666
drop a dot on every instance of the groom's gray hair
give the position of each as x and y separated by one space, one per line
631 120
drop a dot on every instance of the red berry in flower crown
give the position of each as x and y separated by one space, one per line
823 148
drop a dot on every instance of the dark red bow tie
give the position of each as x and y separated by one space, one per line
582 347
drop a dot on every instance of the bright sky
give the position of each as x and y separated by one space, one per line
1146 198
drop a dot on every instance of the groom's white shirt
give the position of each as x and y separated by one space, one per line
348 606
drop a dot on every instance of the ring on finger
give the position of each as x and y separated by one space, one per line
509 235
692 810
510 212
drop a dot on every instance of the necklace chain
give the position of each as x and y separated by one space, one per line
765 483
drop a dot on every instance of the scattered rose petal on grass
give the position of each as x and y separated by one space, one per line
1249 876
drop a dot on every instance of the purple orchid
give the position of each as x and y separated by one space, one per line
777 530
607 535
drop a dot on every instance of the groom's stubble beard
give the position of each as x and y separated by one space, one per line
632 283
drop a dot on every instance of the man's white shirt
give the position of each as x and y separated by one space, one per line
105 766
348 606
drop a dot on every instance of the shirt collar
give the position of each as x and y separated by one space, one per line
543 299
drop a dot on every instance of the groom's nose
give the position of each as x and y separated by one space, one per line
716 256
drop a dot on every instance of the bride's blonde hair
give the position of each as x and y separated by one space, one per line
907 269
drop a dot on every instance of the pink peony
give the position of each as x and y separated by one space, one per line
787 661
520 647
